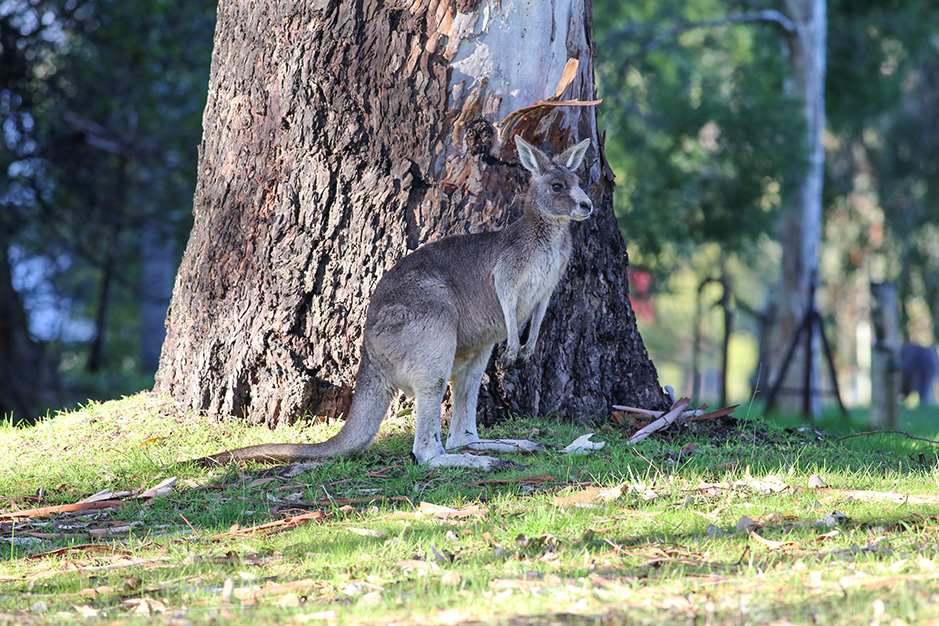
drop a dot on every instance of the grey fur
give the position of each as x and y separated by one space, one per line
437 313
920 367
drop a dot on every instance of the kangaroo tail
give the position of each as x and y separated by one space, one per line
369 405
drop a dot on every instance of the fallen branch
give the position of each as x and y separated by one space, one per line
663 422
63 508
888 432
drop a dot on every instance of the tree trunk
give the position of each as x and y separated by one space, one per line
338 137
27 382
157 266
885 356
800 225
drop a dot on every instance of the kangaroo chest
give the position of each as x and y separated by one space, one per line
542 273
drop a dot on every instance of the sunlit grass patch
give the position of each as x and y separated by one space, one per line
757 523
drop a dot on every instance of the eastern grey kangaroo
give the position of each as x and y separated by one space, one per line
920 367
436 314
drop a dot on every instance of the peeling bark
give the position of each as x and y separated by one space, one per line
338 136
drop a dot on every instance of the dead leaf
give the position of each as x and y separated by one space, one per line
417 565
94 592
91 548
271 528
88 612
146 606
299 587
768 543
367 532
632 409
289 601
106 494
590 495
443 512
583 445
110 531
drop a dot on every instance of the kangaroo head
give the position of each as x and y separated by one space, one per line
555 189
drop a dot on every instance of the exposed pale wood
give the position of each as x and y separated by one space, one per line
339 136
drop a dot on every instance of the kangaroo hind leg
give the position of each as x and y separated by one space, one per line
467 377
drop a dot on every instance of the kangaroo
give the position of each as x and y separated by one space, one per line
920 366
436 315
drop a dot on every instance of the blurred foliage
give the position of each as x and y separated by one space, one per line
100 110
881 192
101 104
701 134
702 138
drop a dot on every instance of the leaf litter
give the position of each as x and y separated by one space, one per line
528 563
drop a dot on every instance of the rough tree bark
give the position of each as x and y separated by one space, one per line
338 136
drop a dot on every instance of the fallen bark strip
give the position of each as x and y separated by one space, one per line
727 410
663 422
63 508
274 527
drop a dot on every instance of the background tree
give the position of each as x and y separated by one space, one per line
101 104
707 144
339 136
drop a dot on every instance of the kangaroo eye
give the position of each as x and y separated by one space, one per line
558 186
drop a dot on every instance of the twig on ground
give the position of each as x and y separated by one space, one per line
663 422
888 432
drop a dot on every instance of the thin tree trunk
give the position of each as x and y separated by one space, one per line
98 357
26 382
800 225
338 137
157 266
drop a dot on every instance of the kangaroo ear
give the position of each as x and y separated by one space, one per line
574 156
531 157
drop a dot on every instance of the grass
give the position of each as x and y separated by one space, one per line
646 534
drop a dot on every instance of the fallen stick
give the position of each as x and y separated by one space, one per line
727 410
663 422
887 432
632 409
63 508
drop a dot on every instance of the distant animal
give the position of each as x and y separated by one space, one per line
920 365
436 315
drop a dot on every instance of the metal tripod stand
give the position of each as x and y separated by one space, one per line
811 323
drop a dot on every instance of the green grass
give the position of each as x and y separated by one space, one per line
663 548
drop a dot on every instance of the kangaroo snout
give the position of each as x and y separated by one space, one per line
584 210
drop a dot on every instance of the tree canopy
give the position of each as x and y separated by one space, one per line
101 104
